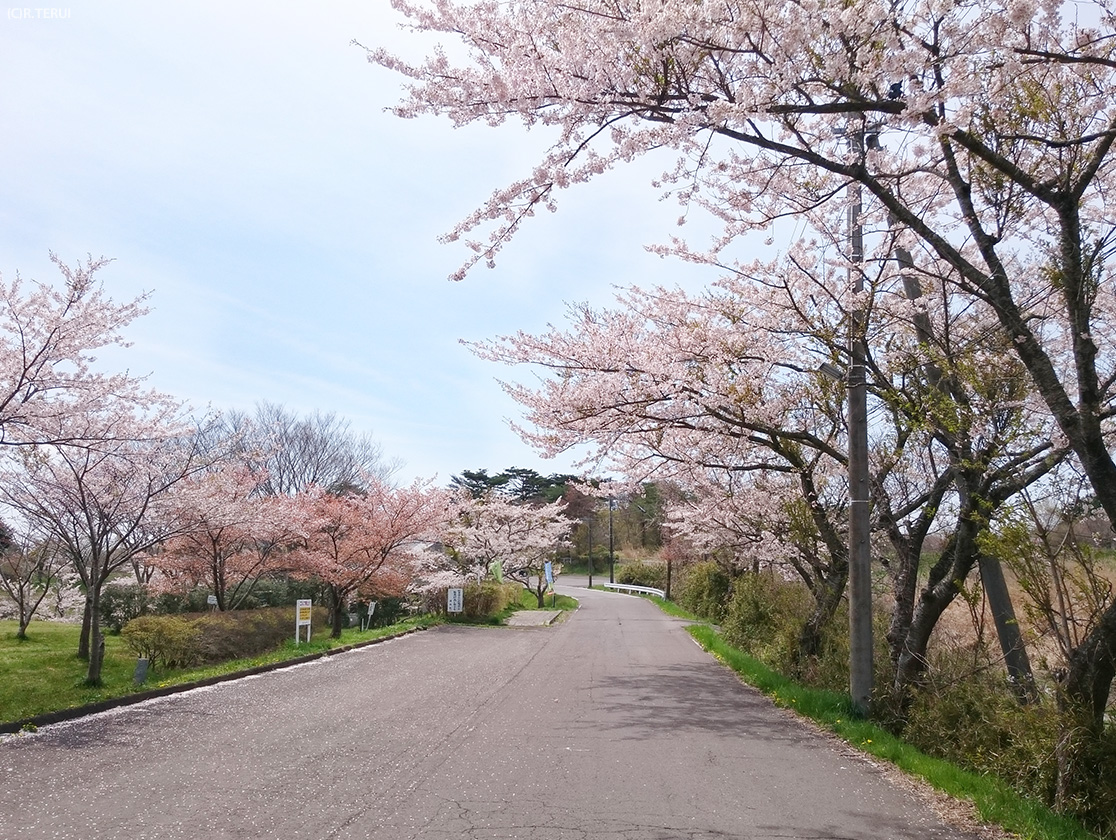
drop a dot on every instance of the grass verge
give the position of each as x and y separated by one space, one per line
994 800
42 674
527 601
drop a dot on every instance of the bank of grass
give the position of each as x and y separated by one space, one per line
994 801
42 674
525 601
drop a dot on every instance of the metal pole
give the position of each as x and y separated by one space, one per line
860 551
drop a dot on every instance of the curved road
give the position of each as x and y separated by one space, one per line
611 725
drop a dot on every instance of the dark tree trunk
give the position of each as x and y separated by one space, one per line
83 639
96 639
336 603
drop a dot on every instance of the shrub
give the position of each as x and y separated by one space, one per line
121 602
638 573
705 591
236 634
488 599
973 720
765 615
388 610
163 640
202 638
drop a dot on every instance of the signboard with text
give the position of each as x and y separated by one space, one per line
302 618
455 600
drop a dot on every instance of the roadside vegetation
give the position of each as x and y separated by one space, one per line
965 730
43 675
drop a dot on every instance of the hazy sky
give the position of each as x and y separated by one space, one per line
236 161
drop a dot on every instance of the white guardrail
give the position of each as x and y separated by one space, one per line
645 590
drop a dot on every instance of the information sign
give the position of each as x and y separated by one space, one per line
302 618
455 600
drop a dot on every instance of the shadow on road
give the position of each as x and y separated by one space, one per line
679 698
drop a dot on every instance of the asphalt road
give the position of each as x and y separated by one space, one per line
612 725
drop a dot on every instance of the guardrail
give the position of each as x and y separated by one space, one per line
643 590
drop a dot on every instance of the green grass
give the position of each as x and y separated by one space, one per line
993 799
43 674
528 601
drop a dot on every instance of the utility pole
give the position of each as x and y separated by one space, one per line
589 525
611 556
860 550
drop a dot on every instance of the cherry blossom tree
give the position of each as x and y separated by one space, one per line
231 537
102 504
494 535
719 392
980 136
30 569
366 541
48 339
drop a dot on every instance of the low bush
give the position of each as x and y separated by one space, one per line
705 591
967 714
488 598
235 634
638 573
764 617
164 640
192 639
977 724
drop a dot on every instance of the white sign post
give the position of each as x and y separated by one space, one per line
302 619
455 600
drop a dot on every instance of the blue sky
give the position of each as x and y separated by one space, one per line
237 162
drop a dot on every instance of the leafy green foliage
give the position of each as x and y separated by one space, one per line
164 640
488 599
638 573
765 615
121 602
705 591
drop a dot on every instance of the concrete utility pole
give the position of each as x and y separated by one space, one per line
611 555
860 550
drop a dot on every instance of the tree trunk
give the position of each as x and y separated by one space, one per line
337 601
83 639
96 640
953 567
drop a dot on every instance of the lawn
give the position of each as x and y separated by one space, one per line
43 674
